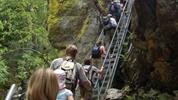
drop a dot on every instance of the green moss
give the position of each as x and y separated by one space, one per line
56 8
52 20
102 3
61 53
67 4
83 29
53 9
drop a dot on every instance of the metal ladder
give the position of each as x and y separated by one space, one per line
113 53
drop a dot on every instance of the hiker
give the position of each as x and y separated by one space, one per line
122 2
98 52
102 49
73 69
63 94
115 9
109 23
42 85
90 71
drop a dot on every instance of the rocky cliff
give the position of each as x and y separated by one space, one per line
153 61
72 21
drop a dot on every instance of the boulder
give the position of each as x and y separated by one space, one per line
72 22
114 94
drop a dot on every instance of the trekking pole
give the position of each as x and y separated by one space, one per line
11 92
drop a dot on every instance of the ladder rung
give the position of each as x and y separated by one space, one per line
108 65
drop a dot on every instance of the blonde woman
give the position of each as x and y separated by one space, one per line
42 85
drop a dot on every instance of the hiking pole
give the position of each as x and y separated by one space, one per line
11 92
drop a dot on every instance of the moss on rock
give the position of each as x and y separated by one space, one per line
69 21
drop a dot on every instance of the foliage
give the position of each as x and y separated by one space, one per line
3 72
24 44
149 95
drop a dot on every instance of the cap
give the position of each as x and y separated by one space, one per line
109 15
61 77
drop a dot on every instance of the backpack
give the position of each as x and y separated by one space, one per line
115 8
112 8
89 73
87 69
96 52
70 70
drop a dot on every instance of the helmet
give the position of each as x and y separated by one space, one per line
109 15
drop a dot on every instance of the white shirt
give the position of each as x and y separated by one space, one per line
113 22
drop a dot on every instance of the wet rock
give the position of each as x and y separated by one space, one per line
114 94
153 61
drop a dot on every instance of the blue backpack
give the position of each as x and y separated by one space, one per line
96 52
115 8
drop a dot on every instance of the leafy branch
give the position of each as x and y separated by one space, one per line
42 55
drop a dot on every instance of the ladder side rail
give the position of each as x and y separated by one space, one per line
107 70
97 82
123 39
122 16
115 60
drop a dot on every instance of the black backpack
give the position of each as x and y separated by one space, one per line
115 7
96 52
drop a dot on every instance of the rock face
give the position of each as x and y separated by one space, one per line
72 21
154 59
114 94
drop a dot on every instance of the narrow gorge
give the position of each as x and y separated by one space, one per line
152 63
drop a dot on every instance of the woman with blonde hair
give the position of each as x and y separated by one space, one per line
42 85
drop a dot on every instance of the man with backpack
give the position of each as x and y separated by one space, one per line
90 71
109 23
73 70
115 9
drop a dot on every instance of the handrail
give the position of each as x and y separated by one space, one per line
11 92
126 24
112 42
122 16
117 56
123 38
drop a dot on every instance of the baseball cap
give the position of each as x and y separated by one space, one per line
61 78
109 15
